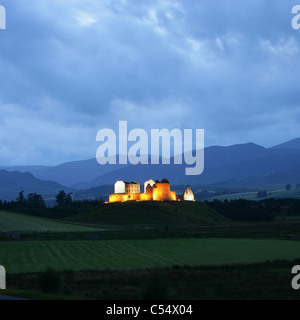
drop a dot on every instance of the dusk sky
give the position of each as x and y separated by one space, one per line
69 68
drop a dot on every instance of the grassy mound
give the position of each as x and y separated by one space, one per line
150 213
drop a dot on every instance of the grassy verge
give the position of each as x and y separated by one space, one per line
265 281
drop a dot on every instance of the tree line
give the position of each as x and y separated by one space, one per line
249 210
35 205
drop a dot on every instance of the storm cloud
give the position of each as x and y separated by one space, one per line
69 68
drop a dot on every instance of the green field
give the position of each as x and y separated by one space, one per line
36 256
150 214
295 193
10 221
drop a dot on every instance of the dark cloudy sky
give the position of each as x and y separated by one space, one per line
69 68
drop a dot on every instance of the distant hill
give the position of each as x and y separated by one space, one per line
239 165
11 183
150 214
216 159
68 174
292 144
100 192
272 167
236 165
32 169
72 173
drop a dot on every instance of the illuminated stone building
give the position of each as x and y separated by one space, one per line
153 191
188 194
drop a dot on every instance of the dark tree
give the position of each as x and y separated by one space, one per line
288 187
36 201
63 199
69 199
21 199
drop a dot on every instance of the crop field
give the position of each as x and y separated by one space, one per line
36 256
10 221
253 195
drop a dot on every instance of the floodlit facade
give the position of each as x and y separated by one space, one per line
188 194
162 192
153 191
120 187
149 182
132 188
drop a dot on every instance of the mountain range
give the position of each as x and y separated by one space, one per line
11 183
238 165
